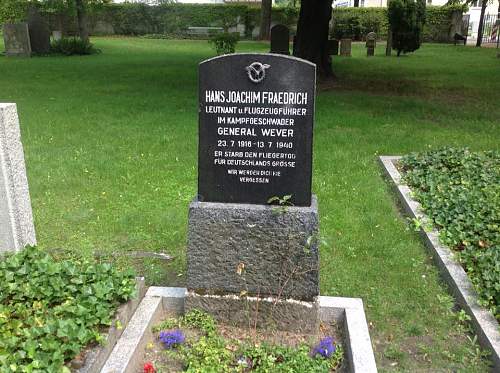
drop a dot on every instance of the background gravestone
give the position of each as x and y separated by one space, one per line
39 32
236 240
16 39
16 219
280 39
371 42
332 47
271 153
345 47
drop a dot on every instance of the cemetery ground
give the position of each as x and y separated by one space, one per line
111 148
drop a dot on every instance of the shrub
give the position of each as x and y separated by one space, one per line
72 46
225 42
460 192
406 19
49 311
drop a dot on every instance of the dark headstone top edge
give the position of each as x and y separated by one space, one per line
259 54
248 206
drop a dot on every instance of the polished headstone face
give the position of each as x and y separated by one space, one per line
256 116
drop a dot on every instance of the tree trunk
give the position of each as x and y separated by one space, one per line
265 19
81 17
312 35
481 24
388 47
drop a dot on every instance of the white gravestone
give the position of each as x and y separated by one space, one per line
16 219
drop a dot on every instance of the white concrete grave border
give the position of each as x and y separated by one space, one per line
127 355
16 218
484 323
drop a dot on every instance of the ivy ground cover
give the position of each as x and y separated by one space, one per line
111 148
460 191
50 311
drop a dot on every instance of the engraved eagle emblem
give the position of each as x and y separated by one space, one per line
257 71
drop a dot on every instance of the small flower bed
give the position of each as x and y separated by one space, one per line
195 343
460 192
50 311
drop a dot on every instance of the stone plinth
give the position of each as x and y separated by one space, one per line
264 313
16 219
257 250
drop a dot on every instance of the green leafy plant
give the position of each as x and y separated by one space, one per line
225 42
12 11
210 352
49 311
72 46
460 192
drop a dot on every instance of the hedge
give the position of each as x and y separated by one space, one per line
355 23
174 19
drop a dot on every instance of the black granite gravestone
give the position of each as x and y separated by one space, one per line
255 128
39 32
280 39
332 46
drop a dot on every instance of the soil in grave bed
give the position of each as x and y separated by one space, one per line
196 343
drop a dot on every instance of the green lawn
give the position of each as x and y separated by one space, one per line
111 150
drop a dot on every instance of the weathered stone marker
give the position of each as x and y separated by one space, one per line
255 142
280 39
345 47
371 43
16 39
16 219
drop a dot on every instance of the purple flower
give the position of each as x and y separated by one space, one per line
172 338
324 348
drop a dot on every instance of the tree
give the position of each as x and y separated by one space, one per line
406 21
311 41
81 17
265 19
480 28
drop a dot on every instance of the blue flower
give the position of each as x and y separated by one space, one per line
324 348
172 338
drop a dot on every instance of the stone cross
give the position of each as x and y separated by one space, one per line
16 220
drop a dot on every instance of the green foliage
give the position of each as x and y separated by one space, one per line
72 46
225 42
50 310
460 192
355 23
209 351
12 11
406 19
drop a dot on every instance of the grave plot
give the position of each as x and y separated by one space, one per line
457 193
253 229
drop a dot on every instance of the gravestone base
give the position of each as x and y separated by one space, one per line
263 313
257 250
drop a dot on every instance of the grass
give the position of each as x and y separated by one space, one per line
111 149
